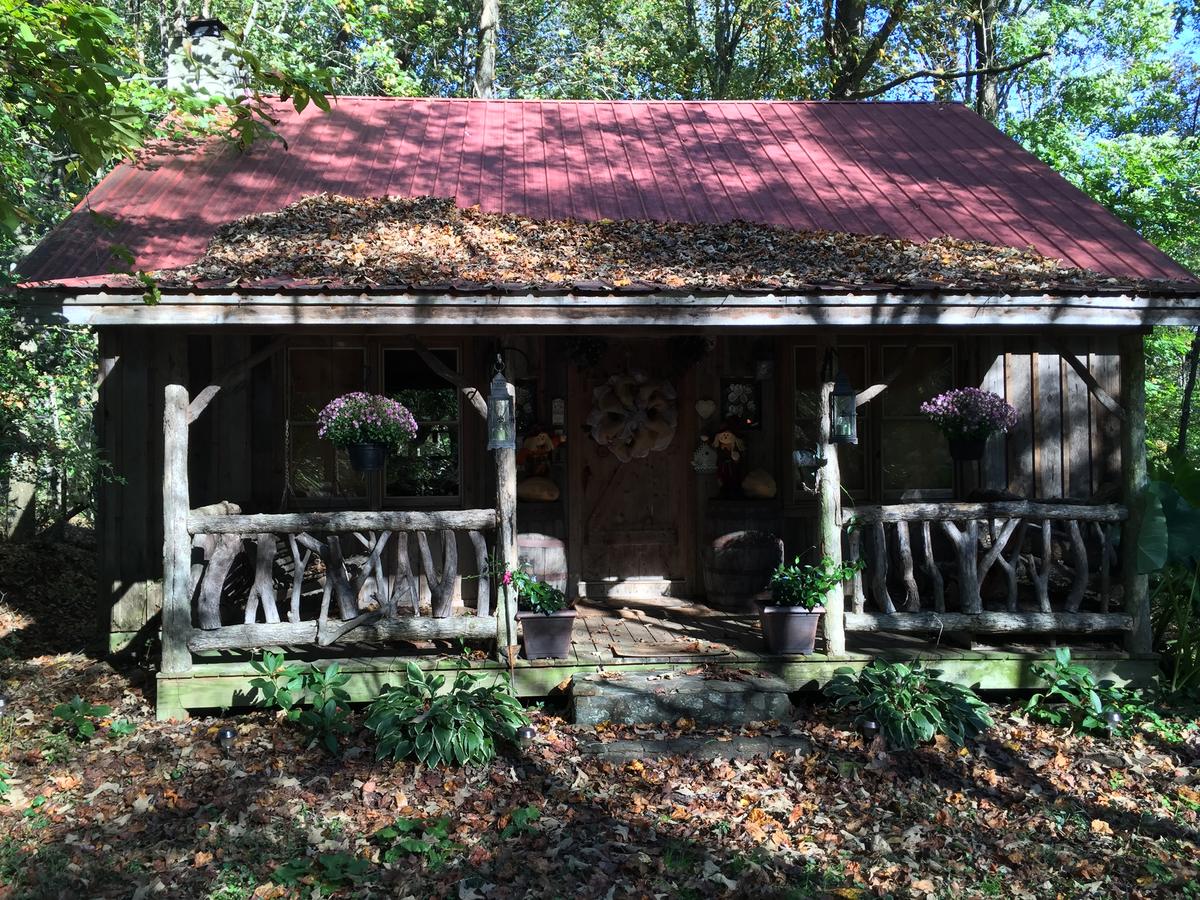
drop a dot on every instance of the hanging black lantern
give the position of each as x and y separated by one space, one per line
843 411
502 414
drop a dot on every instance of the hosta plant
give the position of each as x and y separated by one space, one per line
437 724
910 703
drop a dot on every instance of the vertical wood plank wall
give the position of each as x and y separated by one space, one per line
1065 444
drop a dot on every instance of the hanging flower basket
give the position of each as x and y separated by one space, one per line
367 426
968 417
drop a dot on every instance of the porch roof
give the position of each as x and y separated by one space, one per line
915 172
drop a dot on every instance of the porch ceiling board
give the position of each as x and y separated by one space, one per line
533 311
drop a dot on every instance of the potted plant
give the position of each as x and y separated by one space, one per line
367 426
968 417
546 620
789 624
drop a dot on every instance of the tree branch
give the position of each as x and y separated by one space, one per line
946 76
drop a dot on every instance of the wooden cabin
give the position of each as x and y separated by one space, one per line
232 527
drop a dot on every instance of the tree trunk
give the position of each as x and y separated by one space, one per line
987 90
1189 388
485 72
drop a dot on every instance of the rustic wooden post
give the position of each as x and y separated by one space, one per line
1134 479
177 543
506 550
829 509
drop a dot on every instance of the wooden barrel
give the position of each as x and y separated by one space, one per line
737 568
545 557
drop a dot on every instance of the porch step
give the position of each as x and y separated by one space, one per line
700 748
648 697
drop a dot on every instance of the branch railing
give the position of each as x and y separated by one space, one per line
360 564
952 548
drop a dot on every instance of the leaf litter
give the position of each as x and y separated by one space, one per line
430 243
1027 811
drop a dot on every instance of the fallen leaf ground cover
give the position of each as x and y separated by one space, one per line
1027 811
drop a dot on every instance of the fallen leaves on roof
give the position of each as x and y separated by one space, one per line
429 243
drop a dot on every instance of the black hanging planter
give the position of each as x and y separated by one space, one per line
967 449
367 457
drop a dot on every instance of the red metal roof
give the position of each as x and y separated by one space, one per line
912 170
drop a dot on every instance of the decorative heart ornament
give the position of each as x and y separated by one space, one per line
705 408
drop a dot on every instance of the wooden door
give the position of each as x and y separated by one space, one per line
633 519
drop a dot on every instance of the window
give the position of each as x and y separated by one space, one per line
852 361
316 376
431 467
915 458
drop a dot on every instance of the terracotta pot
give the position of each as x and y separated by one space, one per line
790 629
546 636
368 457
967 449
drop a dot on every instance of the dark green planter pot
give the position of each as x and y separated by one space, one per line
790 629
368 457
967 449
549 636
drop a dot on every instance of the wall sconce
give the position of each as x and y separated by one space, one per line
843 413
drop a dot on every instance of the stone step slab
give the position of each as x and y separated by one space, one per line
650 697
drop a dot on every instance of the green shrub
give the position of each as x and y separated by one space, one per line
79 717
423 719
910 703
1175 617
1074 698
308 695
534 594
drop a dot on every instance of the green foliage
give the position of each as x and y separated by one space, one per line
1175 620
536 595
427 839
311 696
520 821
439 724
1074 698
79 717
5 782
912 704
807 586
122 728
326 872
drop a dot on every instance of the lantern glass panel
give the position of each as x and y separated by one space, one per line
502 424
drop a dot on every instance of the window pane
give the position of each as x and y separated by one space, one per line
430 468
318 375
916 459
927 374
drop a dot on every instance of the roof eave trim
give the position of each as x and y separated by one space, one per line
673 310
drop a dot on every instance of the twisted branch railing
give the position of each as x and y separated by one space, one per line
1016 538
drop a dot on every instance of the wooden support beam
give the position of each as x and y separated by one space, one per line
177 542
474 397
231 377
506 550
343 522
1134 480
829 511
1085 374
285 634
991 622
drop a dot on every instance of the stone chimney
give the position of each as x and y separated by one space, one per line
204 61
